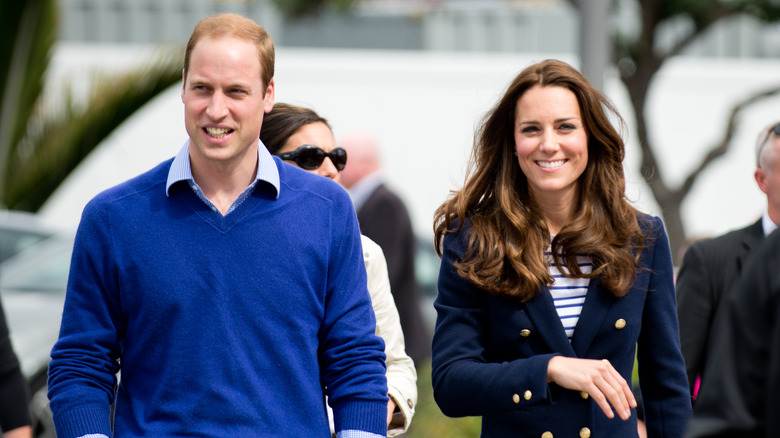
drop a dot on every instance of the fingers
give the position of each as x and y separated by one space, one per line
612 389
596 377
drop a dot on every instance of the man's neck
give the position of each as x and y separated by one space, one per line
222 183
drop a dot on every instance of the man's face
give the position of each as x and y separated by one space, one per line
768 176
224 102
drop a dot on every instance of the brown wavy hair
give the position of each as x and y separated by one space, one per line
508 236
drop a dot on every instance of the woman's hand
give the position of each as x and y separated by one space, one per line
596 377
390 410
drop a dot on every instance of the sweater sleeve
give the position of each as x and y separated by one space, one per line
82 372
352 356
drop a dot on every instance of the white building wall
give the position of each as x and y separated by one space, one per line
423 107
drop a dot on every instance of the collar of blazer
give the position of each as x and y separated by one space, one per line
541 310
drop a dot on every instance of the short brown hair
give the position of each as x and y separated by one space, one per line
234 25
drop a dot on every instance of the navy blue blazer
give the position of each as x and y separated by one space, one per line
490 353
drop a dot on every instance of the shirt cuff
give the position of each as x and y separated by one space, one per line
357 434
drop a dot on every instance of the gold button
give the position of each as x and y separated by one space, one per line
527 395
409 402
547 435
516 398
584 395
525 333
620 323
584 432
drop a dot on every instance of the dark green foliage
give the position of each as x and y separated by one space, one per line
42 143
295 9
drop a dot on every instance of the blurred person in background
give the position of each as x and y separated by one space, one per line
740 398
551 283
304 139
14 406
383 217
710 267
228 287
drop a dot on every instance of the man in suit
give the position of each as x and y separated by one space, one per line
711 267
383 217
741 395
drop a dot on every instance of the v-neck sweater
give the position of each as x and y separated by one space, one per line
234 325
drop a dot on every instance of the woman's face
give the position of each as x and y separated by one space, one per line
316 134
551 143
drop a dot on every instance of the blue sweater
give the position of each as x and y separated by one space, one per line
233 325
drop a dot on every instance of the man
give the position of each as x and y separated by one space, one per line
711 267
741 395
384 219
228 287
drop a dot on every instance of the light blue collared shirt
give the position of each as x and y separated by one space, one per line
181 171
767 223
363 189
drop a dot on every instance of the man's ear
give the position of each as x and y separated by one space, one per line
269 96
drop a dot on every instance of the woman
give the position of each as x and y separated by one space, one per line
550 280
301 137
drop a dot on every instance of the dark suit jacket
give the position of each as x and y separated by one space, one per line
741 395
490 354
385 220
709 270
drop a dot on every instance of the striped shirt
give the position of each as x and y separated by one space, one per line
569 293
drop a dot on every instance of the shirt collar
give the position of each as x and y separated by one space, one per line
362 190
767 223
181 171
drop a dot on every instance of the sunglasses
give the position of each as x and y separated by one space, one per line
311 157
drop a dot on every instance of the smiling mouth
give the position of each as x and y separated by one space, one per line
551 164
217 132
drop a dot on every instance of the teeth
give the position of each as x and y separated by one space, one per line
551 164
217 132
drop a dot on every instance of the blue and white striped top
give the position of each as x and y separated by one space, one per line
569 293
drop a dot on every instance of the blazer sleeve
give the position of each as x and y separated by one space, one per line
465 383
662 378
401 373
694 309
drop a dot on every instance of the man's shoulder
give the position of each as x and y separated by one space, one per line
153 178
299 182
730 239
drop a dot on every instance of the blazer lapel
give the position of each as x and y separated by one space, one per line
594 311
751 238
541 311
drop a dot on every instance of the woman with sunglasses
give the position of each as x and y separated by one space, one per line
550 280
301 137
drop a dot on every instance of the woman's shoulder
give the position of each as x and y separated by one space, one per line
649 224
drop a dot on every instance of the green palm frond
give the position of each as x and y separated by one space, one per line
41 143
58 139
27 34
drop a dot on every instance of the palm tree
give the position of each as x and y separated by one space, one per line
43 139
